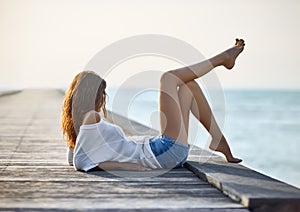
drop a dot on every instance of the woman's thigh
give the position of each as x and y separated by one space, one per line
172 107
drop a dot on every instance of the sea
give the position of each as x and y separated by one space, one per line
262 126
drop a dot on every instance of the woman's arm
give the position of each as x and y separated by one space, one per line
112 165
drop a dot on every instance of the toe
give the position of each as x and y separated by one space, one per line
237 160
242 42
234 160
236 41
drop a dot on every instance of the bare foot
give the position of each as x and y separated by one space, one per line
231 54
223 147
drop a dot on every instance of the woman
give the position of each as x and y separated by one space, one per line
97 143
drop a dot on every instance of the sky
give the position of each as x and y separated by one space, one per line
44 43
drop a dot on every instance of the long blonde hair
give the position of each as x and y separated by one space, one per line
86 92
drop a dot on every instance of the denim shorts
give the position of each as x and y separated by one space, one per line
168 152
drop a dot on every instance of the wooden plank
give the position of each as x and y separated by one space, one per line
30 189
251 188
54 173
115 204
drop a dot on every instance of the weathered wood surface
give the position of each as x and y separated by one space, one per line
253 189
35 176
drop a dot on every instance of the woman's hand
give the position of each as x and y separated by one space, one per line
112 165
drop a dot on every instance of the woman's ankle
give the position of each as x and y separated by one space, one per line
218 60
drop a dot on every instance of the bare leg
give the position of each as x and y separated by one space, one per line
191 95
171 118
189 73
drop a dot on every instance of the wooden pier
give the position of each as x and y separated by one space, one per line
35 176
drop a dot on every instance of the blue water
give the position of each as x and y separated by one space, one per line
262 126
264 129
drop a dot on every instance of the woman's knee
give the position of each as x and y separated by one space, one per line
168 78
165 77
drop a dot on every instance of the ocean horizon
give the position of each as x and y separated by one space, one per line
262 126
